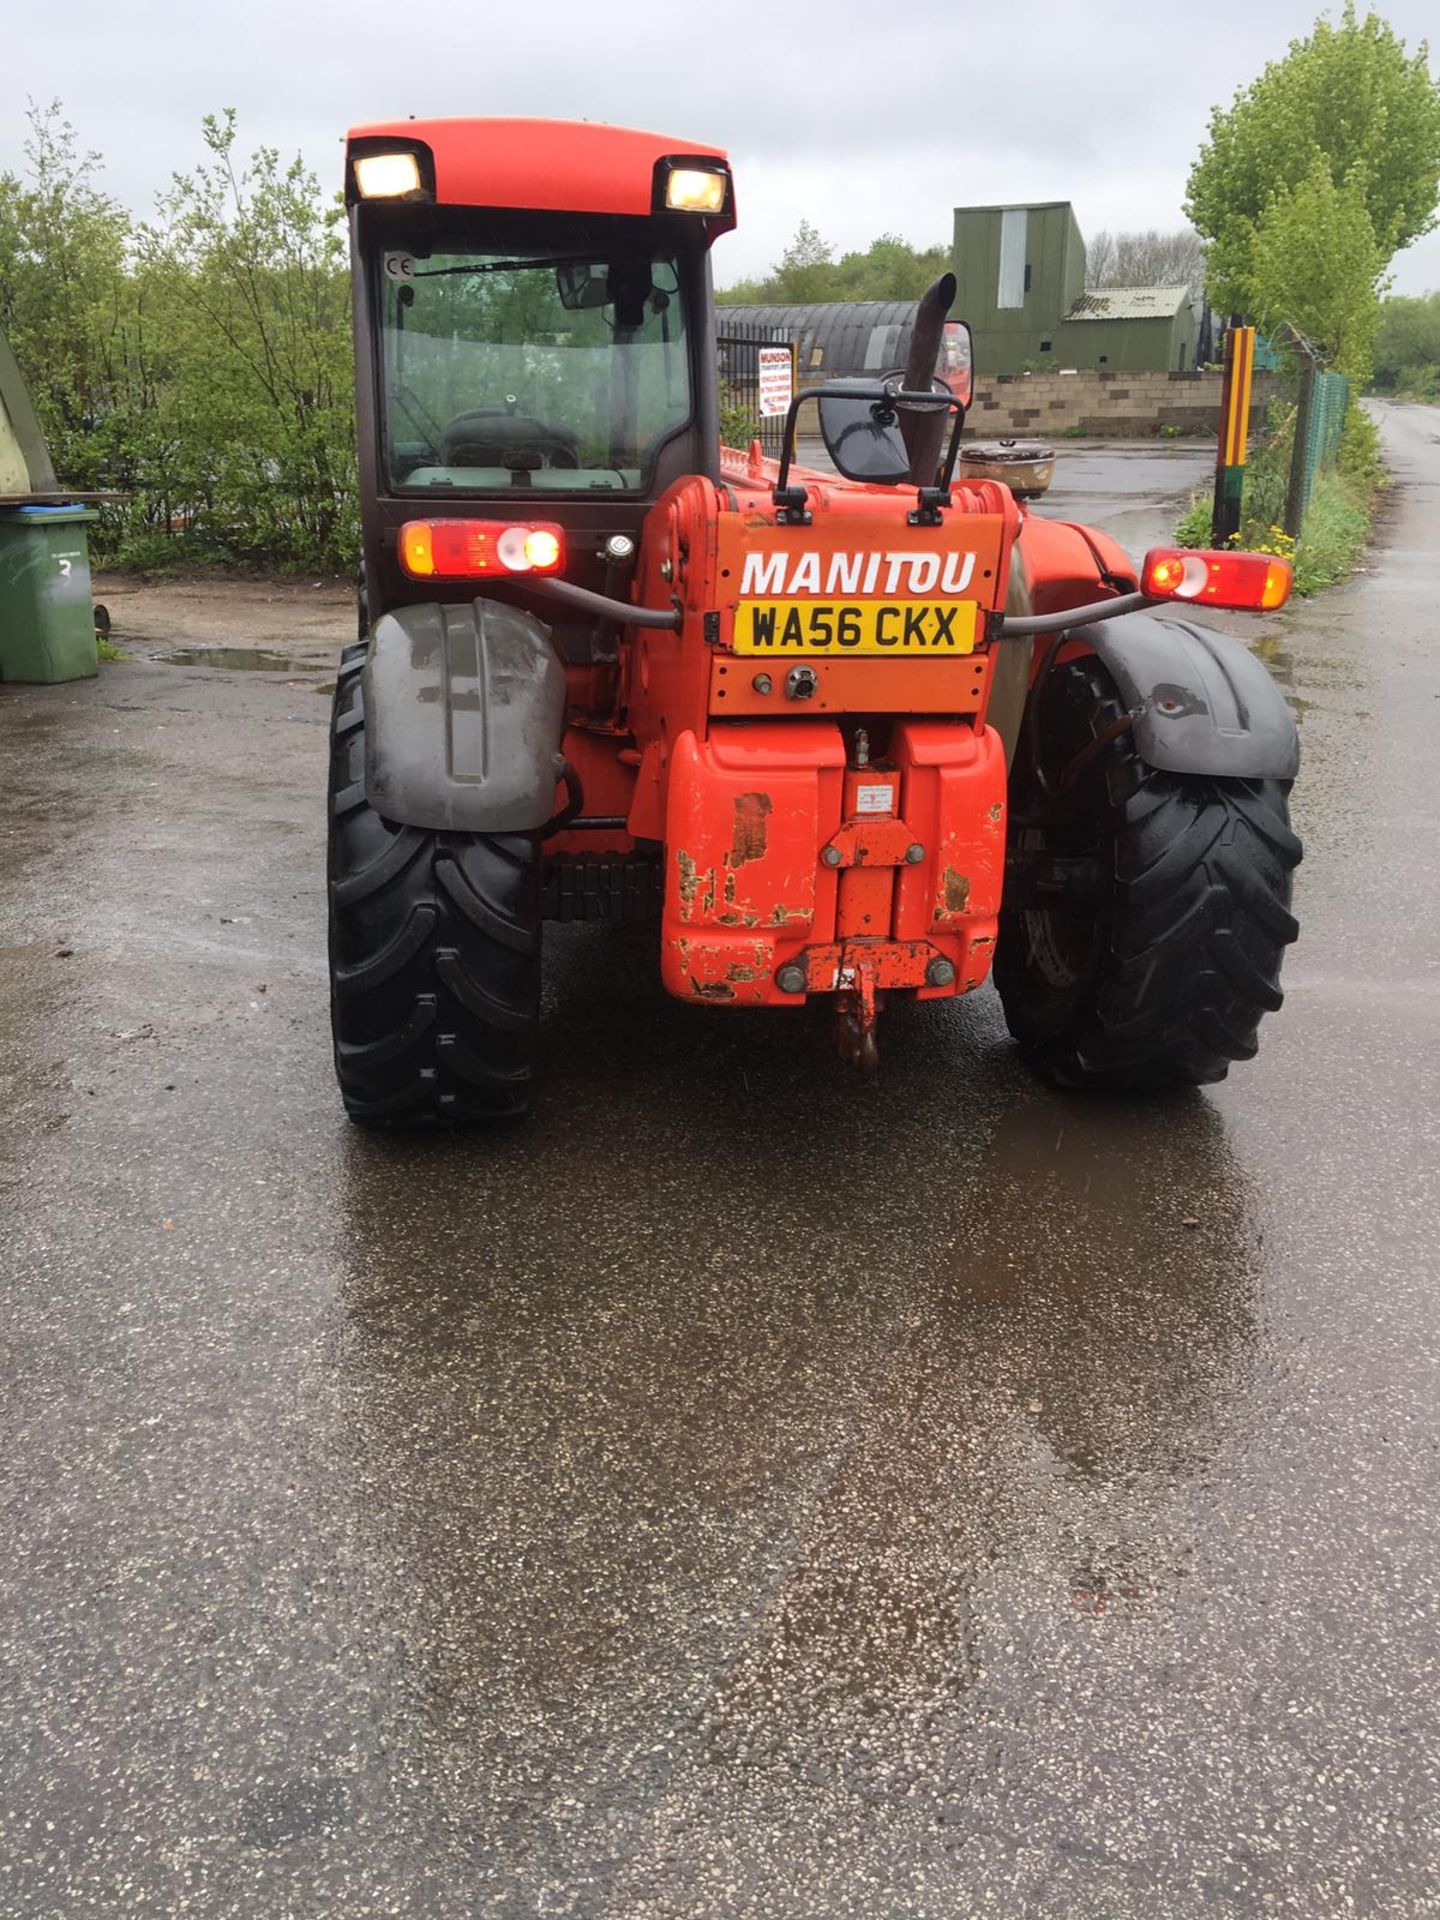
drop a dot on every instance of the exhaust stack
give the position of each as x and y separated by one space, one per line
923 428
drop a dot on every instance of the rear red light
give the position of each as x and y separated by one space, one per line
477 549
1215 578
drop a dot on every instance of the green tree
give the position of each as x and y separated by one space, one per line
1316 264
1349 97
1148 259
247 270
63 291
805 271
888 269
1407 347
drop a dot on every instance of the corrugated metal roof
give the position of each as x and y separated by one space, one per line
1130 303
836 336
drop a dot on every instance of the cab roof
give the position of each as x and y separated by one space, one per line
559 166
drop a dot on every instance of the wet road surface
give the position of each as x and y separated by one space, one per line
1135 489
749 1490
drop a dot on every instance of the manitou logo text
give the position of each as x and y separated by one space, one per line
786 576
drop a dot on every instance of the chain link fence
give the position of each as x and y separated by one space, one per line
1319 422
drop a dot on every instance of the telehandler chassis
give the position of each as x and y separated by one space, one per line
862 737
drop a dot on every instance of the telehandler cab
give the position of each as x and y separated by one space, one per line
858 737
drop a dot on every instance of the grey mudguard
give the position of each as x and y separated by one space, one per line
464 711
1201 702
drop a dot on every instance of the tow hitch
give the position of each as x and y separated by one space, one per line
857 1008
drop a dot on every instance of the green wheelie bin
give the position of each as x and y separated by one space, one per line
47 620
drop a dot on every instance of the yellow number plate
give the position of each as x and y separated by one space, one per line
842 627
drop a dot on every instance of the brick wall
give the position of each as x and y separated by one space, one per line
1036 405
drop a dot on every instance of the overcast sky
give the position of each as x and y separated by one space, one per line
861 117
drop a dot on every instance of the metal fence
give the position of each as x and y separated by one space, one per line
1318 425
738 345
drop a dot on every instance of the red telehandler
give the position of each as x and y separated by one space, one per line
863 737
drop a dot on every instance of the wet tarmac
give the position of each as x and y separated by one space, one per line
1135 489
235 659
748 1490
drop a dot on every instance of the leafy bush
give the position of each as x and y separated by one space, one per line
1193 527
1418 383
1360 459
739 423
199 366
1407 348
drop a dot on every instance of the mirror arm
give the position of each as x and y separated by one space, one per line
623 612
931 499
791 501
1004 626
948 473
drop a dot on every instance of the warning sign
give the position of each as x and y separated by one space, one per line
777 380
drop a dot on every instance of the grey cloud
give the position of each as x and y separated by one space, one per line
859 115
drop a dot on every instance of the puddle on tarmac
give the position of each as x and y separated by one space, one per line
1322 673
239 660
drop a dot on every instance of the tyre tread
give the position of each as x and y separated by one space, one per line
434 953
1197 923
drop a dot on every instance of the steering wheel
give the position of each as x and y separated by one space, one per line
490 438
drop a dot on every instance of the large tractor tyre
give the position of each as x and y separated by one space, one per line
1145 913
434 953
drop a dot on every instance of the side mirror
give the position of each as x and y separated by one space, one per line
862 434
955 363
579 286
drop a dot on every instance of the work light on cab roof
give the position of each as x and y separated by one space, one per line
695 189
850 734
386 176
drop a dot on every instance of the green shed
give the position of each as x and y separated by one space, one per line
1130 330
1021 285
1018 270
